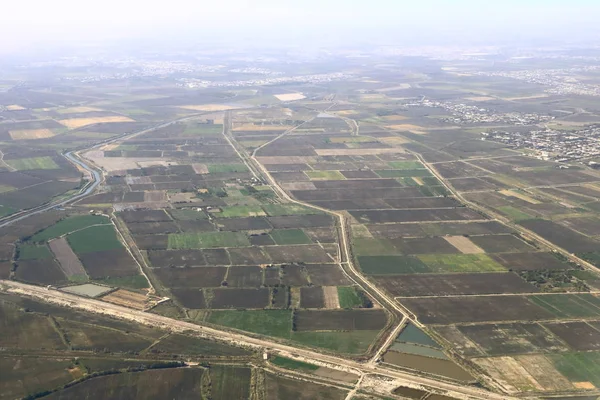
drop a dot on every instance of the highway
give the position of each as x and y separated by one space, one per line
97 306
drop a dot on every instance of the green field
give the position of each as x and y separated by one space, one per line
202 129
24 164
226 168
406 165
348 297
131 282
203 240
373 247
33 252
293 364
5 210
350 342
187 214
408 181
391 265
240 211
229 382
69 225
276 323
290 236
593 258
441 263
403 173
275 210
95 238
325 175
569 305
579 367
514 213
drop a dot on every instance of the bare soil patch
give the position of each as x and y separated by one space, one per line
464 244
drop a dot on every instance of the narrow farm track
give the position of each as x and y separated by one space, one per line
300 354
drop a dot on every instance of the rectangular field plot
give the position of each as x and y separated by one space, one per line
326 275
345 320
454 284
391 265
247 276
276 323
144 216
447 310
191 277
290 236
579 367
530 261
464 244
460 263
444 214
324 175
240 298
240 211
283 388
348 342
274 210
579 335
461 228
109 263
513 338
24 164
207 240
303 253
403 173
425 245
67 259
561 236
230 382
94 239
69 225
177 258
569 305
301 221
312 297
501 244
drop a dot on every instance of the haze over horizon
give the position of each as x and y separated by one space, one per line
33 24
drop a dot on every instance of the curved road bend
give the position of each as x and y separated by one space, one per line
97 306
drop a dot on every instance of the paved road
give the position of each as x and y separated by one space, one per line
159 321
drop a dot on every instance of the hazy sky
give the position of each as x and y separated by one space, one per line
27 22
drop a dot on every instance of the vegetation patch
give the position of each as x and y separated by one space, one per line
569 305
94 238
276 323
460 263
290 236
325 175
348 342
241 211
203 240
33 252
24 164
349 297
293 364
69 225
275 210
579 367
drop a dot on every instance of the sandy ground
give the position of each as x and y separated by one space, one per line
15 107
210 107
464 244
290 96
127 299
299 186
519 195
28 134
200 168
75 123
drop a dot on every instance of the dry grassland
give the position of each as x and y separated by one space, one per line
200 168
508 372
519 195
347 112
299 186
544 372
30 134
535 96
330 293
357 152
290 96
209 107
126 298
394 118
74 110
464 244
15 107
75 123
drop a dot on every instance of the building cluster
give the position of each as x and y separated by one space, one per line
316 78
552 144
463 114
557 81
